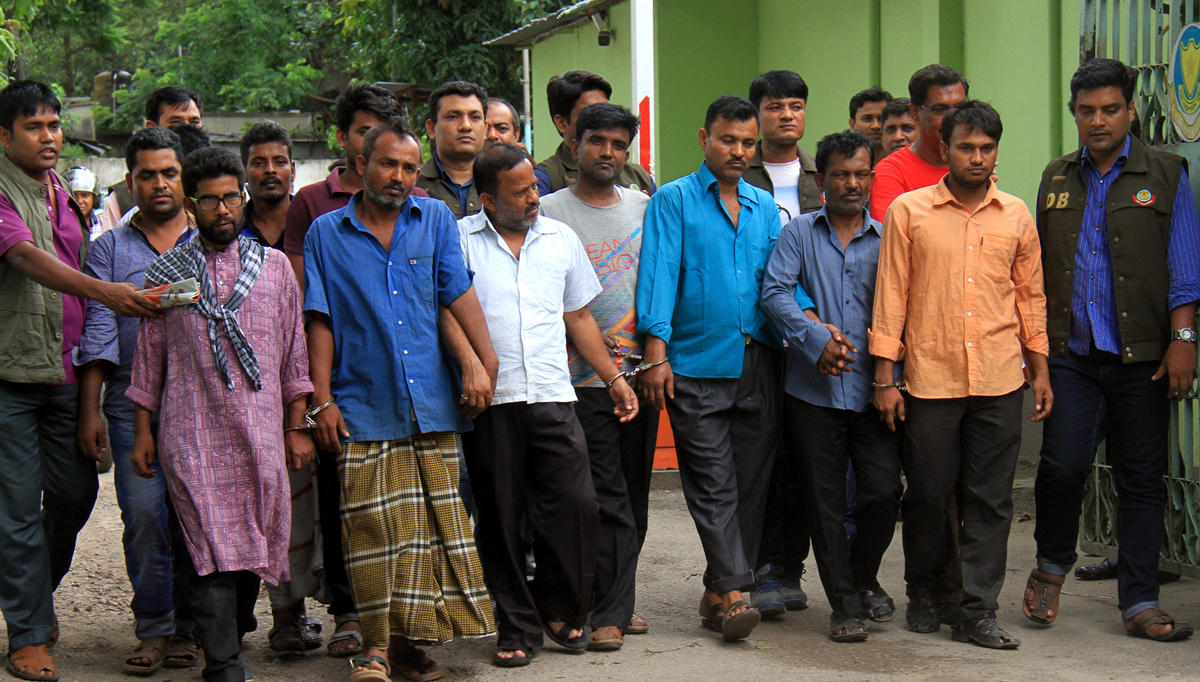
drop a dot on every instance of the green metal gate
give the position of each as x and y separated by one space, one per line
1142 33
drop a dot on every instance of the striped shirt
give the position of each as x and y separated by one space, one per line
1093 303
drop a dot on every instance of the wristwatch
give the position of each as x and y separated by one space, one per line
1186 335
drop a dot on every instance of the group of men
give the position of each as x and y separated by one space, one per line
352 368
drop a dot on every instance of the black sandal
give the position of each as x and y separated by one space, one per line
739 625
712 620
514 661
847 629
286 638
560 637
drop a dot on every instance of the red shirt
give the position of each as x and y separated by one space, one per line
68 238
901 172
314 201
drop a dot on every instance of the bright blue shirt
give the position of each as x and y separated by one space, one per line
1093 302
390 376
700 279
809 257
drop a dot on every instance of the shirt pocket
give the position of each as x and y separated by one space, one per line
999 251
420 269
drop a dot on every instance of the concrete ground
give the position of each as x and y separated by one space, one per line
1087 643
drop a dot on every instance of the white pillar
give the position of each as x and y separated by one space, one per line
644 102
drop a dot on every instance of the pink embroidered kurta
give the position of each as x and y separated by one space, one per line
222 450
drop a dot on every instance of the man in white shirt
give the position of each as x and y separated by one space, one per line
528 451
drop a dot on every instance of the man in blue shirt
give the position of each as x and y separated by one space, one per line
1121 246
385 400
707 239
833 255
153 540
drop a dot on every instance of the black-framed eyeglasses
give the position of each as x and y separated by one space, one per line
939 110
231 200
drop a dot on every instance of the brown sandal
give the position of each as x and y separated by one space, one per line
28 663
152 649
1139 626
1041 596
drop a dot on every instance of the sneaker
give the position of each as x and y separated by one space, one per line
767 597
794 598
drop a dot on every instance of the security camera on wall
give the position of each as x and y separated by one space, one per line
605 35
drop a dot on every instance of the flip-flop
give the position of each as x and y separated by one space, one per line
739 625
560 638
368 673
12 669
181 654
1042 590
513 662
152 648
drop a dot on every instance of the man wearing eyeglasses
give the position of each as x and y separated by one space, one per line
935 90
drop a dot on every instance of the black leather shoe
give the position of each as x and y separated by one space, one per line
922 612
985 632
1107 570
877 605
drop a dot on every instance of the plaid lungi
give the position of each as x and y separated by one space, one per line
408 545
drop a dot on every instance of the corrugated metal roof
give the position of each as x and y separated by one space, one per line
539 29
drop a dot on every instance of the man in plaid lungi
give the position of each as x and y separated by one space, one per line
378 274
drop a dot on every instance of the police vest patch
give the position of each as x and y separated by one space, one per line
1144 198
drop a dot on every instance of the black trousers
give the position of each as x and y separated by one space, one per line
727 437
223 609
969 445
537 451
785 529
832 439
328 491
610 445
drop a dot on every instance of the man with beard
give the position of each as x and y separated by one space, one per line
832 255
47 488
153 541
716 364
267 155
503 123
528 452
166 107
457 126
899 126
222 374
608 218
1122 243
959 298
866 115
378 271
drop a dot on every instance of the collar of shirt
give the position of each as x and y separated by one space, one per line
480 221
708 180
564 156
446 176
410 208
1085 158
942 196
134 219
869 225
334 182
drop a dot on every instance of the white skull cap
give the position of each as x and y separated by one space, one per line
82 180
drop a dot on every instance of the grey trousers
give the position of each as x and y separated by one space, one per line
223 609
969 445
47 490
726 438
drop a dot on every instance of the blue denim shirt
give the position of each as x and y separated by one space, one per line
809 258
391 378
700 279
1093 305
120 255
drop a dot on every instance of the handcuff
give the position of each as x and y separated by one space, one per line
898 385
629 374
309 422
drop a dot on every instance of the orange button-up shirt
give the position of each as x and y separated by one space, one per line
962 289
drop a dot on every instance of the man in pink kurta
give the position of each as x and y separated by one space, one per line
225 386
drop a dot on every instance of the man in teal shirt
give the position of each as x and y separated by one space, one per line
707 240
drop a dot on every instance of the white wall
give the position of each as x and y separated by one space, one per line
111 171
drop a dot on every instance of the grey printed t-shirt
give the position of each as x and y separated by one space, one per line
612 238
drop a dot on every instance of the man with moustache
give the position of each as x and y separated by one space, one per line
267 155
899 126
457 126
934 90
608 218
228 378
378 271
715 357
153 540
47 488
832 255
866 115
503 123
1121 242
528 453
959 299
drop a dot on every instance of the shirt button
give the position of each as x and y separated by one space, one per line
1091 277
1116 239
399 321
1120 279
395 292
969 344
1093 253
412 262
969 313
389 262
222 282
970 248
58 335
54 295
970 279
406 352
1122 314
1129 355
410 381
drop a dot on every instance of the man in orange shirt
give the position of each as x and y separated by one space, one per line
960 281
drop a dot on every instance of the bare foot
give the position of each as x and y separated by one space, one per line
510 654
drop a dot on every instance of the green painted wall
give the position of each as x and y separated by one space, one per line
704 50
576 48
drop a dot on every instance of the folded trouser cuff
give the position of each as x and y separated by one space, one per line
1129 613
1046 566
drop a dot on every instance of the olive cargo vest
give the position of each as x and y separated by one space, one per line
436 186
1138 215
563 169
31 316
810 195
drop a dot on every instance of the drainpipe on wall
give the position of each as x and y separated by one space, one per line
525 93
643 63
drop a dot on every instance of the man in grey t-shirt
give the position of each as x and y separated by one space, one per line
608 219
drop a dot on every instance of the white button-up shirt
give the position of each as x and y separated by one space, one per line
524 299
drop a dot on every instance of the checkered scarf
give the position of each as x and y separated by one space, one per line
187 260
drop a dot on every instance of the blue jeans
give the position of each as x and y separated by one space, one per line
154 544
1097 397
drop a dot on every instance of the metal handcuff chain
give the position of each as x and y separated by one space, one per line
309 422
629 374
